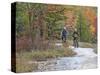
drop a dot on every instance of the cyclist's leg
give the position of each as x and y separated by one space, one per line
64 38
77 43
74 42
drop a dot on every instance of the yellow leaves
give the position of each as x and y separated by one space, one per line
92 29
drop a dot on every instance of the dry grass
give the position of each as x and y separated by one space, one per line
43 55
23 58
86 45
22 65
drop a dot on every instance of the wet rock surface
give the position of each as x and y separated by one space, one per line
85 59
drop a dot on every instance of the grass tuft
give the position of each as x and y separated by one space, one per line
23 58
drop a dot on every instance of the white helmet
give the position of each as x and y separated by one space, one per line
75 29
64 27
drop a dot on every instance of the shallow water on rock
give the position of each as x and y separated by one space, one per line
85 59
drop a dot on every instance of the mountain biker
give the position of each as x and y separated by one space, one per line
75 36
64 34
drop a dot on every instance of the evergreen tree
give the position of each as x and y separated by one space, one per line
83 28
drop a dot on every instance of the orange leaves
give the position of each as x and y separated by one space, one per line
91 17
54 8
92 29
70 18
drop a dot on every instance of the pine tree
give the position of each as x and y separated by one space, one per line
83 28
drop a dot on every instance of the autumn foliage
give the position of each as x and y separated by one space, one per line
39 24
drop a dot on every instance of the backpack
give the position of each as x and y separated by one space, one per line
75 34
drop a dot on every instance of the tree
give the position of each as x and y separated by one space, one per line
55 20
83 28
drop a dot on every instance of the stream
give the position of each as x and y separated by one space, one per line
85 59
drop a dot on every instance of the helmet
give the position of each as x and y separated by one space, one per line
75 29
64 27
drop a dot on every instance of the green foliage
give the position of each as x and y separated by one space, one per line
21 19
83 28
55 21
37 23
